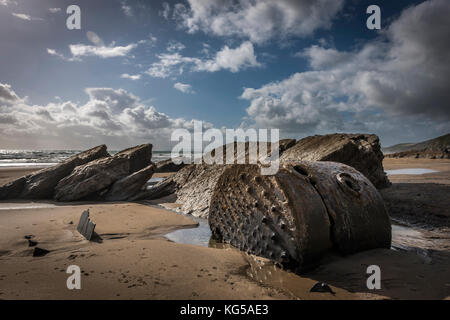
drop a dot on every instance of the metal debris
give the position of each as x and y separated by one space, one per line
298 215
86 226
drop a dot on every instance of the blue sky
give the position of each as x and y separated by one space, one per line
139 69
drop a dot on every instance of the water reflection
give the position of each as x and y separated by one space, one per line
410 171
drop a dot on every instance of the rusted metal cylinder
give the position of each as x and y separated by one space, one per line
299 214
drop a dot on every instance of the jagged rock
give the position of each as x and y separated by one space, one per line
321 287
360 151
129 186
41 184
91 179
13 189
297 215
168 166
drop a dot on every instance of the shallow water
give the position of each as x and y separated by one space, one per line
403 238
200 236
150 183
410 171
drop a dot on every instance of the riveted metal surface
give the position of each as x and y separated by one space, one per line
280 217
297 215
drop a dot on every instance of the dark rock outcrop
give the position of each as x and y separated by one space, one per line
434 148
426 154
41 184
168 166
91 180
129 186
296 216
360 151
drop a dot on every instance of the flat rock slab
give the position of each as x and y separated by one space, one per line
86 226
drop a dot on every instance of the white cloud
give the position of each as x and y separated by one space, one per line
175 46
233 60
127 10
395 85
98 50
258 21
54 10
7 94
165 11
184 87
131 76
53 52
26 17
22 16
7 2
80 50
112 116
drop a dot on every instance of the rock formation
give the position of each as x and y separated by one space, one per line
437 148
92 174
168 166
129 186
427 154
194 184
91 180
41 184
296 216
360 151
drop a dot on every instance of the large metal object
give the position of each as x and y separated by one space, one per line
299 214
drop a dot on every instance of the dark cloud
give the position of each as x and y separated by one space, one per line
397 83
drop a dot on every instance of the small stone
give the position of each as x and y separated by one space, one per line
39 252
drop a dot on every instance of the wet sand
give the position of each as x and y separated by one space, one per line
135 260
421 200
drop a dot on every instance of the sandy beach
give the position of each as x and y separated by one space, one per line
134 259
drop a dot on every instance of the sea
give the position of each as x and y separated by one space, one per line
43 158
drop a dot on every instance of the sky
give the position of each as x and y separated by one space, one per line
138 70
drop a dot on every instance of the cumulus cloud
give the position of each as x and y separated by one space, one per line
259 20
394 83
112 116
233 60
8 2
183 87
230 59
7 94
